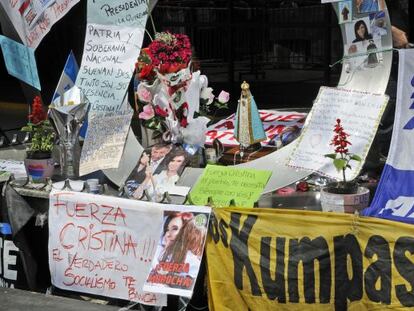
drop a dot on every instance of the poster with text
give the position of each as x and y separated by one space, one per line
180 248
33 19
360 114
103 245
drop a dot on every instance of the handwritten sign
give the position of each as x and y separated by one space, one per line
118 12
20 61
224 184
33 19
107 65
105 140
103 245
360 114
176 262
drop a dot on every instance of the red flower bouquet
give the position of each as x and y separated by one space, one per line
341 159
42 132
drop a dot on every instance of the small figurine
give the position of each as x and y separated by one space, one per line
248 129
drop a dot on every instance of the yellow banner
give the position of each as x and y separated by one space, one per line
269 259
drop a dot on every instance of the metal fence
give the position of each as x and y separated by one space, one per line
234 42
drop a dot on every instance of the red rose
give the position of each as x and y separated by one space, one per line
161 112
147 72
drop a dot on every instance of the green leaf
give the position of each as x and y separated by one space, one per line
340 164
331 155
356 157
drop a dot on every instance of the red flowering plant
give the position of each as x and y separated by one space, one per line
42 132
341 159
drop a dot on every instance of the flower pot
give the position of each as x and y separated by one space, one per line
39 169
344 203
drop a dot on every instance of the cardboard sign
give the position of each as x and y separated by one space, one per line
174 268
360 114
103 245
33 19
224 184
269 259
20 61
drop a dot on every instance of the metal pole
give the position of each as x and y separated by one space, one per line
328 40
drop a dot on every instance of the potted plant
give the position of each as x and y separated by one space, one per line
39 163
346 195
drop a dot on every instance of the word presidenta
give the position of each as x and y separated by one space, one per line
376 278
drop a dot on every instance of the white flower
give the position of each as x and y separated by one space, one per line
207 94
223 97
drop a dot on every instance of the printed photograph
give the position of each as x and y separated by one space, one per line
180 249
378 24
369 6
359 30
345 12
157 170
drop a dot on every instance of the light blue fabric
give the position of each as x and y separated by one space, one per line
369 6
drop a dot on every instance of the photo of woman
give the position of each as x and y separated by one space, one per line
180 250
158 184
361 32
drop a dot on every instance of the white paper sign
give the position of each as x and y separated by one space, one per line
118 12
360 114
103 245
33 19
107 65
105 140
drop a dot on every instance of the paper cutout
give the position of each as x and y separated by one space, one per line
224 184
360 114
20 61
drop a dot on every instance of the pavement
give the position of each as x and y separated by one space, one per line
20 300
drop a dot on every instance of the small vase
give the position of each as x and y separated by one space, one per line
39 169
344 203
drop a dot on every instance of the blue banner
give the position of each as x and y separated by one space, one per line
394 198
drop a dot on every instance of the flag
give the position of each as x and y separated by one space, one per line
394 198
68 76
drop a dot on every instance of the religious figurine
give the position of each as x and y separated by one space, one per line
248 127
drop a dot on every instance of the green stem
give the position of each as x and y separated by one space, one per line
343 169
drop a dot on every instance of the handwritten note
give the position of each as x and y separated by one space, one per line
103 245
107 65
224 184
360 114
33 19
118 12
105 140
20 61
